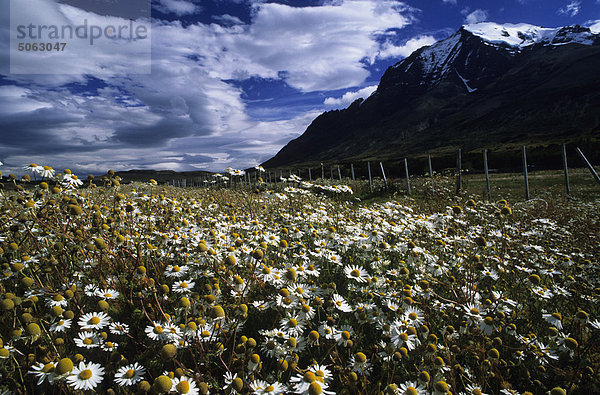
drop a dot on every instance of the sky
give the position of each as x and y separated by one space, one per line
206 84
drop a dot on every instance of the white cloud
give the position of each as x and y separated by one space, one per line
476 16
349 97
453 2
389 50
177 7
184 109
594 25
228 19
570 9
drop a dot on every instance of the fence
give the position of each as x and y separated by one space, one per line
372 170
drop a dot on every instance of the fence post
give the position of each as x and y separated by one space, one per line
487 174
524 156
407 177
431 174
322 172
370 178
339 173
309 175
459 169
589 165
352 170
383 174
331 172
564 158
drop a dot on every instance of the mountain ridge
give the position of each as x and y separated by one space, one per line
467 91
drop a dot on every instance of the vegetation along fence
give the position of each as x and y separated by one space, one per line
395 175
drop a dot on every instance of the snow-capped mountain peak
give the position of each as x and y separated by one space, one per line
522 35
461 53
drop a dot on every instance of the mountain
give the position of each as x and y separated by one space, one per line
486 86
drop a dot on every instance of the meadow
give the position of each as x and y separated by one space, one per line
307 289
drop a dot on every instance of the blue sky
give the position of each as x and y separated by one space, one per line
229 82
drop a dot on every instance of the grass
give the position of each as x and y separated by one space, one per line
305 289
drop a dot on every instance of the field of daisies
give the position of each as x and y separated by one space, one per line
304 290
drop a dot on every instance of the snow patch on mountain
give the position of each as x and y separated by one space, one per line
435 60
466 82
522 35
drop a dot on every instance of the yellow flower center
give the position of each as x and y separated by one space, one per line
87 341
94 321
129 373
412 316
345 335
85 374
309 377
183 387
158 330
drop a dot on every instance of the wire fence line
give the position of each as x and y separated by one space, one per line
386 173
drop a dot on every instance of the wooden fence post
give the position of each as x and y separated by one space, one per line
352 170
322 172
525 174
407 177
383 174
589 165
566 167
459 169
431 174
309 175
370 178
487 174
339 173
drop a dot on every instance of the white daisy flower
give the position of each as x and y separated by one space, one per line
61 325
107 293
130 374
356 273
86 376
88 340
43 372
340 303
117 328
184 385
94 321
183 286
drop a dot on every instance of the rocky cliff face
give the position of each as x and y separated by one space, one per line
484 86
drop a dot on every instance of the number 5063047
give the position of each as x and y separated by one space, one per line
41 47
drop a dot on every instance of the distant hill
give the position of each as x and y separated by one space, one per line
486 86
160 176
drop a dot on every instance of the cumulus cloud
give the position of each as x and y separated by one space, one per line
476 16
570 9
389 50
453 2
349 97
594 25
185 114
177 7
